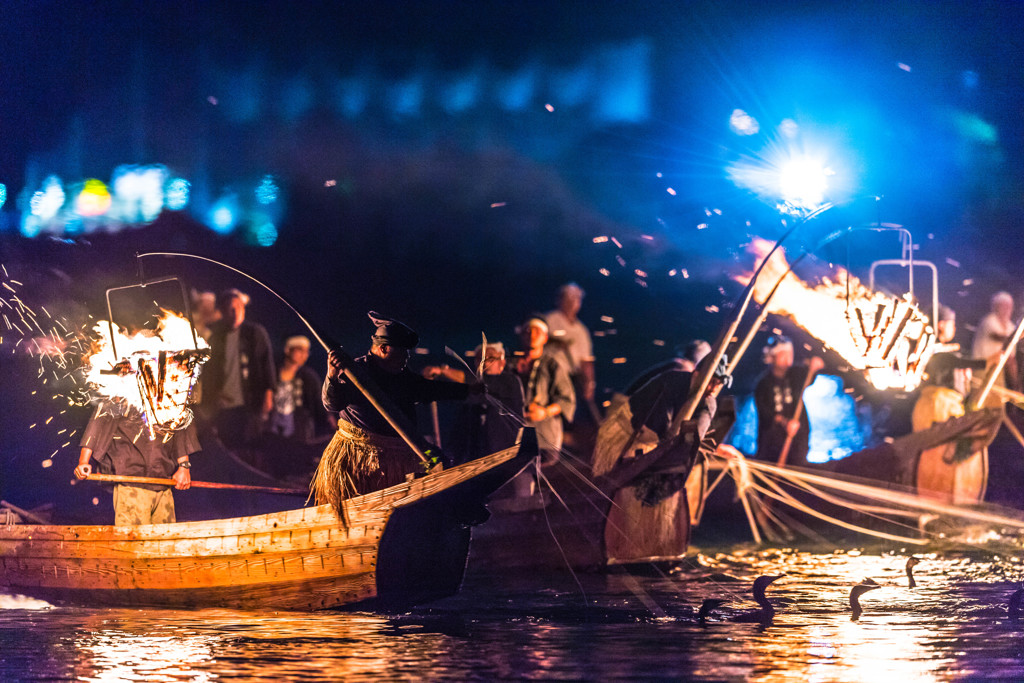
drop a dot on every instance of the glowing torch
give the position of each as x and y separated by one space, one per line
889 338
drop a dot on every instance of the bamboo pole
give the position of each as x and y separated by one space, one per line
993 372
364 385
784 453
761 316
126 479
23 513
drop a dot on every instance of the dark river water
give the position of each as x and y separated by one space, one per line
953 626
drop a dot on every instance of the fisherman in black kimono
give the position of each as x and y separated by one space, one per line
366 454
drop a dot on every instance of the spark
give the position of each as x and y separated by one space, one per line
601 239
617 242
711 309
497 205
604 271
619 361
670 191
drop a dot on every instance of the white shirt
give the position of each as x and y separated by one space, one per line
574 334
986 343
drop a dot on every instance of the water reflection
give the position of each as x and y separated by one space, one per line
953 625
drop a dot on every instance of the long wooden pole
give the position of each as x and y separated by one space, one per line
32 517
126 479
365 385
761 316
993 373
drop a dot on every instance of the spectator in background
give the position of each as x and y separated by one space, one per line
547 387
489 422
568 334
994 330
567 330
238 381
298 412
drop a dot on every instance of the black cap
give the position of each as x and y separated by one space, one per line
393 332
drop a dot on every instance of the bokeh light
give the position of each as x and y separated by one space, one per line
177 194
94 198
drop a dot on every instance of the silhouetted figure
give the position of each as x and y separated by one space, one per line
238 380
706 608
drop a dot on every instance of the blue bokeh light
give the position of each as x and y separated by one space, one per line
224 214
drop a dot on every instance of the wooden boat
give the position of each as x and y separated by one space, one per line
396 547
581 521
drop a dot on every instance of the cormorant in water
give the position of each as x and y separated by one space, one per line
1015 604
857 591
766 612
911 563
706 607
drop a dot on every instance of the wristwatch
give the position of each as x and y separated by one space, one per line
187 465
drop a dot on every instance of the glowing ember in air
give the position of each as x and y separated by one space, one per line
154 372
888 337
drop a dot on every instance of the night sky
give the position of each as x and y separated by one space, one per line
450 163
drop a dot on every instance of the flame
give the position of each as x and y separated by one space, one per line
887 337
154 373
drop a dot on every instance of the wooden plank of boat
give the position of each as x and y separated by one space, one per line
402 545
573 534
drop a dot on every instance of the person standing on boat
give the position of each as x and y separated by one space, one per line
238 381
568 334
548 389
994 330
778 397
488 423
366 454
298 412
119 440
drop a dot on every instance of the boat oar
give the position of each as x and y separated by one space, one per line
784 453
126 479
978 400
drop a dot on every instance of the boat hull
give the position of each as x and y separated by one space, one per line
399 546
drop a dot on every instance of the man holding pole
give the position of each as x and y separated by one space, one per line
367 453
119 439
783 430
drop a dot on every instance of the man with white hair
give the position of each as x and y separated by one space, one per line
994 330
